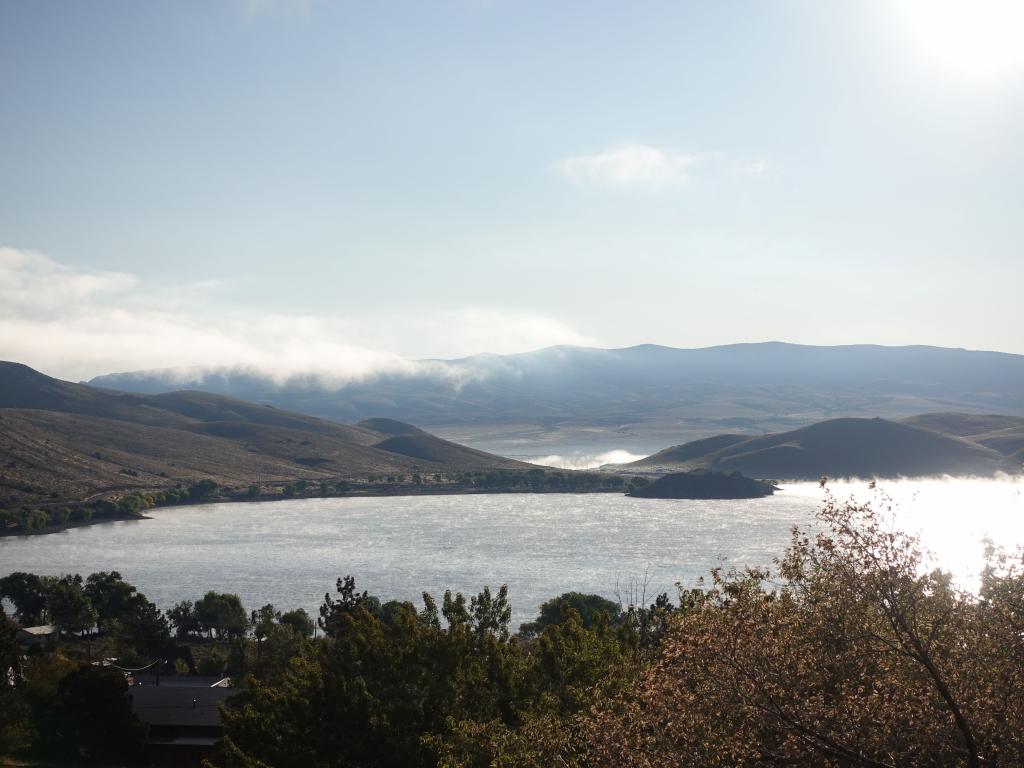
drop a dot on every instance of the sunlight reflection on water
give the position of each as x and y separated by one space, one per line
954 517
290 552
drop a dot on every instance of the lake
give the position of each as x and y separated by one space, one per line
290 552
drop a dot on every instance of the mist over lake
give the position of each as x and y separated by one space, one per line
290 552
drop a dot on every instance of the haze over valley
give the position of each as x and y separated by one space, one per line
640 399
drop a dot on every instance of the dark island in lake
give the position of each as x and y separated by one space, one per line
700 484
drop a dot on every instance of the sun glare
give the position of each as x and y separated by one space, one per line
975 38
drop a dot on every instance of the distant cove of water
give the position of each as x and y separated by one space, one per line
289 553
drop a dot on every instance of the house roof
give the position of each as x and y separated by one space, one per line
41 631
162 705
183 741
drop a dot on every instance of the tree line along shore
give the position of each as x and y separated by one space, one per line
55 516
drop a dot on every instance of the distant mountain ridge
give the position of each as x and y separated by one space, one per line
60 440
640 398
846 447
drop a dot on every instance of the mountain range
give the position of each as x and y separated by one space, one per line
638 398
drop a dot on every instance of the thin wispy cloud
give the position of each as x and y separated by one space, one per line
634 165
503 331
77 324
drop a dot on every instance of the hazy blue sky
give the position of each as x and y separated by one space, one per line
343 183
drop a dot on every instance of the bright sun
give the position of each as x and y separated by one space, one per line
976 38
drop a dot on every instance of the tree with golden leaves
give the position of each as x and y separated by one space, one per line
854 653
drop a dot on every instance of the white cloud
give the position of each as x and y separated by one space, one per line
635 164
77 324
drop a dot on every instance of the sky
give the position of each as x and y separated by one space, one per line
303 184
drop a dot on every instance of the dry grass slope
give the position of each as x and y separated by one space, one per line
62 441
838 447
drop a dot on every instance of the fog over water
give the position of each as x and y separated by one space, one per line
290 552
583 459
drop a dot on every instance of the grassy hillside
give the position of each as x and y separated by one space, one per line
696 450
1004 434
63 441
965 424
838 447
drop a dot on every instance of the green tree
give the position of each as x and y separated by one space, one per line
68 605
34 520
588 608
382 678
222 613
15 722
110 595
145 628
299 620
142 626
94 716
28 592
202 489
571 663
262 622
213 663
491 614
183 618
60 516
280 644
82 514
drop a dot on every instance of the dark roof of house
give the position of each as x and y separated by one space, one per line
183 741
162 705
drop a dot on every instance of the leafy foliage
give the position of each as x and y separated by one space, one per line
221 613
28 593
15 732
68 604
858 655
391 685
589 608
95 716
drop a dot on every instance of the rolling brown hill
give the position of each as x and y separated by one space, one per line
837 447
65 441
965 424
1004 434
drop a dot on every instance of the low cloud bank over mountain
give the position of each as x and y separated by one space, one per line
640 398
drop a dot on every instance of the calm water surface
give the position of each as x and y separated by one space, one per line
289 553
